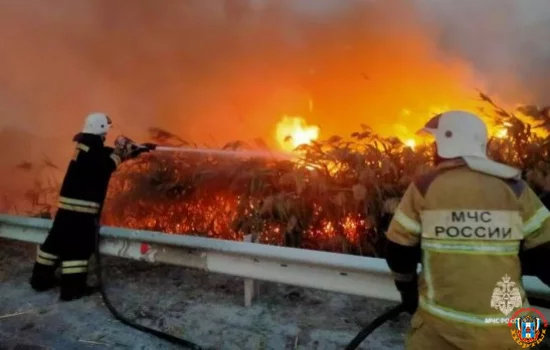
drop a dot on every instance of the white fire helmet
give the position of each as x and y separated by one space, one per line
463 134
97 124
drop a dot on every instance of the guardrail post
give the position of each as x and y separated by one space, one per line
251 286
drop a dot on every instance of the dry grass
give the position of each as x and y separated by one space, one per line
334 199
339 197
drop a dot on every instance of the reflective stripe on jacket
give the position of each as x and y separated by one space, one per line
471 227
85 184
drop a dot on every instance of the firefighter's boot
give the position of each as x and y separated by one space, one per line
43 274
74 275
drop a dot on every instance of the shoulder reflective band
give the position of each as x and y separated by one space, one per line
79 147
408 223
535 221
82 147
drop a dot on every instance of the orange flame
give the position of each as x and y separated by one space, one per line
501 133
292 132
410 143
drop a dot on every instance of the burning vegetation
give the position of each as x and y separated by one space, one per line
379 62
337 194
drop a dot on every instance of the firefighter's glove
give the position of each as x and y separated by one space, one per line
130 151
123 151
409 294
126 151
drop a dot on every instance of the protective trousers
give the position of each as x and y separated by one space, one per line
429 332
69 244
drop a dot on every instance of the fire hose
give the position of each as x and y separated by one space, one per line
397 310
355 342
122 142
371 327
101 286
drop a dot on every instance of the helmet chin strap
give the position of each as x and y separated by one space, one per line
437 158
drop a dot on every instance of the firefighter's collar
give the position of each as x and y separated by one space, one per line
482 165
451 163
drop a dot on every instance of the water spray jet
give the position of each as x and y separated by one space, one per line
227 153
124 142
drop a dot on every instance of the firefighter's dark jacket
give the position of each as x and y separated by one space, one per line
85 184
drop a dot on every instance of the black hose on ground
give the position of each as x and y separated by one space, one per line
371 327
165 336
538 302
396 311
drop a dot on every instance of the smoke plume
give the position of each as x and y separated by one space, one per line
213 70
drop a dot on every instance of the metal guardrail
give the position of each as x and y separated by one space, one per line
363 276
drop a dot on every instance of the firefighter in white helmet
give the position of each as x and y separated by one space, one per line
71 240
472 223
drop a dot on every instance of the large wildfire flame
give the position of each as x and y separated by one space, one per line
372 63
292 132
